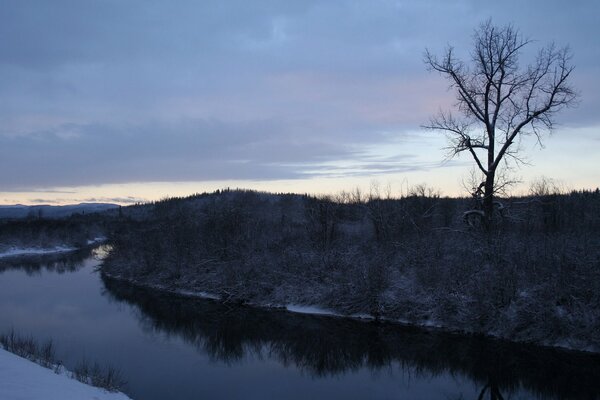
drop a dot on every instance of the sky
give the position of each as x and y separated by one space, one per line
128 101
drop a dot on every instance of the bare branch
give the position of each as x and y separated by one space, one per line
501 101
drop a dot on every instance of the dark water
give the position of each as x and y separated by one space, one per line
169 347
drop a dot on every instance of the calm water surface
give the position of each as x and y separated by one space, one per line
169 347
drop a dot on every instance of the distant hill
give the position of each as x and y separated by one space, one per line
48 211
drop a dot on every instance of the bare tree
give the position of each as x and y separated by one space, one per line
498 101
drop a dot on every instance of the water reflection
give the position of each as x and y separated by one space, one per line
57 262
322 346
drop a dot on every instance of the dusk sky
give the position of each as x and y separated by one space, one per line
124 101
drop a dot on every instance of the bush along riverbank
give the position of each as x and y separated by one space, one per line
534 278
108 378
40 236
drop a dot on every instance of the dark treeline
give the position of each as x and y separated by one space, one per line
534 277
40 232
322 346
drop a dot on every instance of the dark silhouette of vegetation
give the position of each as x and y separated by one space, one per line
27 347
535 279
75 232
498 101
108 378
328 347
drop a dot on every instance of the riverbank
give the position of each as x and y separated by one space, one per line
42 251
316 310
35 251
533 279
333 347
25 380
268 353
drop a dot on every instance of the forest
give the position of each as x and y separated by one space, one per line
39 232
534 277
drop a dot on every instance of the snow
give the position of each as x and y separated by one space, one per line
21 379
95 240
203 295
316 310
313 310
98 239
362 316
14 251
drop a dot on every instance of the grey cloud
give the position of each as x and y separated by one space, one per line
184 151
44 201
113 91
54 191
121 200
202 36
358 168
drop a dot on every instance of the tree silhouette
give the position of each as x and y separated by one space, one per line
498 101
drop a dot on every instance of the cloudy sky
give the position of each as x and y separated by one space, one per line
136 100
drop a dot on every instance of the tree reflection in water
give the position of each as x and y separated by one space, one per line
493 390
36 263
326 346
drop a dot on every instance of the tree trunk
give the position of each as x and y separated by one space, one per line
488 200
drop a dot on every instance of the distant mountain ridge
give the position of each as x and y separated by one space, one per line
49 211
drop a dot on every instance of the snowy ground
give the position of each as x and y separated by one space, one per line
313 310
21 379
11 252
15 251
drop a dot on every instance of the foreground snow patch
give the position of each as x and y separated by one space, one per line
35 250
24 380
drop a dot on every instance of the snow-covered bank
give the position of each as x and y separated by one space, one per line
534 279
31 251
24 380
312 310
26 251
317 310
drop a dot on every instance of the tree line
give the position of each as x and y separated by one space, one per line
534 278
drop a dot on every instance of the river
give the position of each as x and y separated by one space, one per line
171 347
